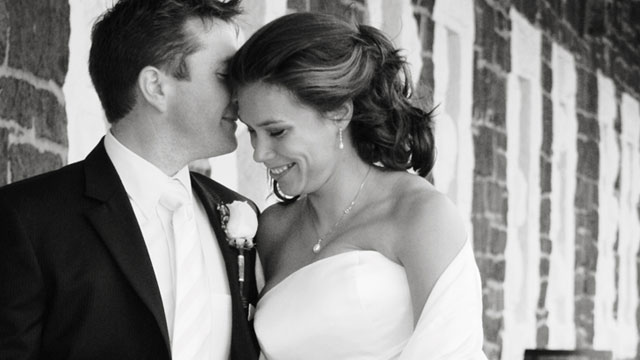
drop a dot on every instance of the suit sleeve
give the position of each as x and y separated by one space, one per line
21 289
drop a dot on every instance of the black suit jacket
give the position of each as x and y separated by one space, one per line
76 281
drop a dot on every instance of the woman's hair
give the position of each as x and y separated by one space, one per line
325 62
138 33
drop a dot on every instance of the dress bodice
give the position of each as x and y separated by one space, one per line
353 305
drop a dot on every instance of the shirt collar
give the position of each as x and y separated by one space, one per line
143 181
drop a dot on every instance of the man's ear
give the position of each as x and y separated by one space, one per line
152 84
341 115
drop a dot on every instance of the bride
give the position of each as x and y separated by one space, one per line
362 259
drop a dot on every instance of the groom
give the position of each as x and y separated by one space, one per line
92 256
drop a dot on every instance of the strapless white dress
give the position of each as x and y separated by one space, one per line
356 305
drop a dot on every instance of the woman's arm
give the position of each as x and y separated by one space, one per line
444 282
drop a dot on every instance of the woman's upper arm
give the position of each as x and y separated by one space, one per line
432 233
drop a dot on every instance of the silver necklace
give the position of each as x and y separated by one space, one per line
318 245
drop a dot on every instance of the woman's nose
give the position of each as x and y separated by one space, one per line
262 151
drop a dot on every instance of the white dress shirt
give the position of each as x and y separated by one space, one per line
144 183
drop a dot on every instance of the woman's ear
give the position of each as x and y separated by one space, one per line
342 115
152 86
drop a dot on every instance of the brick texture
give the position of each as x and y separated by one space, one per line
492 62
26 161
42 47
34 37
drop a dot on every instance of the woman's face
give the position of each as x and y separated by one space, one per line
295 142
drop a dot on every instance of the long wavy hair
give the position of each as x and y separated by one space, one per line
325 62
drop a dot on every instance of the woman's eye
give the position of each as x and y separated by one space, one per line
277 133
222 76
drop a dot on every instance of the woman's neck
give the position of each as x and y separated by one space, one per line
344 191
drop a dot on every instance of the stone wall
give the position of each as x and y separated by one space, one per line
34 57
602 36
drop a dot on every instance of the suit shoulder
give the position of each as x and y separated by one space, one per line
46 184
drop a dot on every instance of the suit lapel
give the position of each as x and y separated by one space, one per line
243 341
116 223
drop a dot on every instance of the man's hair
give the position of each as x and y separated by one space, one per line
138 33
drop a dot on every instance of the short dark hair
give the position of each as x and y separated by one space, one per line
324 62
138 33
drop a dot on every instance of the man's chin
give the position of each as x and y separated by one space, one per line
227 149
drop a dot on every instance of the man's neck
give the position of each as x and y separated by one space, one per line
150 144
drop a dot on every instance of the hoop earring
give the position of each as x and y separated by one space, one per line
340 143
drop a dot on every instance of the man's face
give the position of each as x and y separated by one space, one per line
200 109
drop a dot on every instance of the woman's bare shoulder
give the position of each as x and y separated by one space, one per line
427 219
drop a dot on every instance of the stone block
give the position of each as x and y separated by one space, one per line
4 25
478 202
587 91
590 285
498 271
549 24
484 151
27 161
31 107
15 102
492 328
545 215
502 53
593 221
542 298
496 195
546 246
547 78
42 47
493 300
4 155
480 98
485 24
501 165
481 233
544 268
545 175
542 336
578 282
547 125
427 28
498 241
424 92
582 198
589 126
589 159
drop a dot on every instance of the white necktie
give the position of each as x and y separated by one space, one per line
192 321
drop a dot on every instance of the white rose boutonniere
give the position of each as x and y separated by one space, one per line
240 223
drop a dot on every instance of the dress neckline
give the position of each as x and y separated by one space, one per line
322 260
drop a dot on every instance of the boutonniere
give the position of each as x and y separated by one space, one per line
240 223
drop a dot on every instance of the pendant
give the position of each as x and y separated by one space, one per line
316 248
